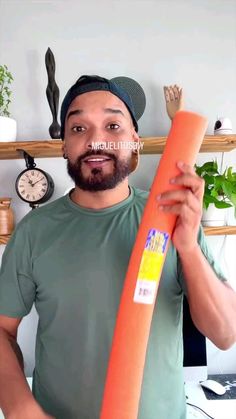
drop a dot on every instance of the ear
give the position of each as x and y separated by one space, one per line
64 152
135 153
136 138
63 148
134 161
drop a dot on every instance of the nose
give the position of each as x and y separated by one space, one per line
96 139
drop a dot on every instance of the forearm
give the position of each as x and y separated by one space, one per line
14 390
212 303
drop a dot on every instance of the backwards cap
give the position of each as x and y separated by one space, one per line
89 84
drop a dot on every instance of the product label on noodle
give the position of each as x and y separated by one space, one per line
150 267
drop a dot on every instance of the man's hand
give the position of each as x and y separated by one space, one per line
174 100
187 205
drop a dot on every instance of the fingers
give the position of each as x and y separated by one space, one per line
186 168
179 197
172 93
180 92
190 195
166 94
182 210
175 91
189 179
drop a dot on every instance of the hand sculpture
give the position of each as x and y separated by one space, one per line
174 100
52 93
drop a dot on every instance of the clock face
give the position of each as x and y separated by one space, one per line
32 185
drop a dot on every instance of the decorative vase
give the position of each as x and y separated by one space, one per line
6 217
8 129
53 93
214 217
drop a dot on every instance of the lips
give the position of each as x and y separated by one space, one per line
96 161
92 159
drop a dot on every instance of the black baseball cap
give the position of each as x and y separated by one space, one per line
89 84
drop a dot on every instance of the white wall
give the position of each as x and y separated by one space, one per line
158 42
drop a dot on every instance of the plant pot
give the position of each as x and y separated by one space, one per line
7 129
231 218
214 217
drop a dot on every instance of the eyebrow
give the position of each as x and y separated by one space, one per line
75 112
106 110
111 110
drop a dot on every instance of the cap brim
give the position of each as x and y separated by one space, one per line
135 91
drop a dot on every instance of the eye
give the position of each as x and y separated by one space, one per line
113 126
78 128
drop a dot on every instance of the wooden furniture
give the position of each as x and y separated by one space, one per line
152 145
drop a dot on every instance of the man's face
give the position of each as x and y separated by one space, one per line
93 118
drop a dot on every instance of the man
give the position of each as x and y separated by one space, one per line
70 258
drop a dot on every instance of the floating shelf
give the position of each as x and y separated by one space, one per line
152 145
220 231
209 231
41 148
211 143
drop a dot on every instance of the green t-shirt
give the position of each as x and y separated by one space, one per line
71 262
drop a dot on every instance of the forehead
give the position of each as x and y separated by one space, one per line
98 101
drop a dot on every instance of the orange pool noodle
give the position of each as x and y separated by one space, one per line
127 359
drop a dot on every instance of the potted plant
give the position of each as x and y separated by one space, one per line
7 124
219 194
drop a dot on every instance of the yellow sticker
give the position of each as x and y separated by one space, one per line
151 266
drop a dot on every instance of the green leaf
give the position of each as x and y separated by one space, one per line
227 188
214 193
222 204
5 93
208 199
233 199
210 168
209 179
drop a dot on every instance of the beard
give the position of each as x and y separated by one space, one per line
97 180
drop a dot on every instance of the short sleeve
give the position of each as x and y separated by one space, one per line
208 255
17 288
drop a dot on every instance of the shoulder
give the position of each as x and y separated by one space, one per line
39 215
140 195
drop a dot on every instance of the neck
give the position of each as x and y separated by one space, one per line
101 199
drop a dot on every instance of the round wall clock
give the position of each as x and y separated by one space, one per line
34 186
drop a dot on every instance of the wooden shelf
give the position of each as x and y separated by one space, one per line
41 148
152 145
220 231
209 231
211 143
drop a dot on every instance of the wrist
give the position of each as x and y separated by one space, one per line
26 408
189 251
